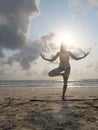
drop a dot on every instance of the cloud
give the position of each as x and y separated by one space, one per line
89 3
93 2
93 65
1 53
96 66
85 5
15 21
96 13
90 65
1 71
75 2
47 42
30 52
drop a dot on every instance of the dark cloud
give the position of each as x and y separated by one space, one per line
9 38
30 52
14 24
47 42
1 53
1 72
15 21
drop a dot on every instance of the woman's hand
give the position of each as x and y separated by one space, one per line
52 59
85 54
42 56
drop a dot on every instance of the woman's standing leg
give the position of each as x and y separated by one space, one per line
64 87
65 79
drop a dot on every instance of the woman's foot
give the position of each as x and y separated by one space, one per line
63 98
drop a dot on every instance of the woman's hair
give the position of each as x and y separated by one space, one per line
63 47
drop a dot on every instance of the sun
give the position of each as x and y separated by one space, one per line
66 38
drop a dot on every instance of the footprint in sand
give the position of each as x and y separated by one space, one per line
91 119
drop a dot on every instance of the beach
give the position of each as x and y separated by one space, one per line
27 108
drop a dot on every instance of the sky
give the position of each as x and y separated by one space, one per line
28 28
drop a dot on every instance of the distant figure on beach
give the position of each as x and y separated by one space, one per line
64 65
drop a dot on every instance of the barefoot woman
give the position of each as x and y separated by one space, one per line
64 66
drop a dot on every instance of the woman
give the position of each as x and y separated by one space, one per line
64 66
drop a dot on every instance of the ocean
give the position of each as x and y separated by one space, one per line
48 83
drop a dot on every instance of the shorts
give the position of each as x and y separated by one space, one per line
61 69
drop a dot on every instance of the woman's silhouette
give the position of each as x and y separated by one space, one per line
64 65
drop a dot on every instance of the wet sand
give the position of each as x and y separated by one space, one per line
42 109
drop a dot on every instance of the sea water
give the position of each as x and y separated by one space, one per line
48 83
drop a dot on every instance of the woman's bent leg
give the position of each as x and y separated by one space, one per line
55 72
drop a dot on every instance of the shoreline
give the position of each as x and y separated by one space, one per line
52 92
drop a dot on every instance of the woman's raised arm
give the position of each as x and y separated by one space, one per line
78 58
52 59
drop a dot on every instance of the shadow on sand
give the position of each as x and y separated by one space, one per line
72 114
53 115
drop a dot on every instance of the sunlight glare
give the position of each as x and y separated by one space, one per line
68 39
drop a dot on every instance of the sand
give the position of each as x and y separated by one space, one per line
42 109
